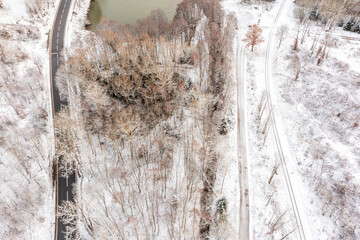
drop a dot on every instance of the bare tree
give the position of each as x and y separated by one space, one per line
186 19
253 36
295 66
67 213
155 24
281 34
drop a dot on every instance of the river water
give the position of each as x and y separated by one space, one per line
128 11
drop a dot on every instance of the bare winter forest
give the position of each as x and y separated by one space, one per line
26 203
152 125
148 105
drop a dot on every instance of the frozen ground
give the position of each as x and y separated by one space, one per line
26 195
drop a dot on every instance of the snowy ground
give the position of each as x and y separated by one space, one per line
322 110
271 214
27 196
319 116
76 33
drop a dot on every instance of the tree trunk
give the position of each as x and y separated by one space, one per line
206 198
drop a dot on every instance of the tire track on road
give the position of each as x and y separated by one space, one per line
244 211
275 129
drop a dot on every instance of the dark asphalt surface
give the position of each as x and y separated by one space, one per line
64 185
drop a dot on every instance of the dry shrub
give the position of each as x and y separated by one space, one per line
37 8
12 53
295 66
4 33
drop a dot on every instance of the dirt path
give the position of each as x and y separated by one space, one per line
277 136
241 148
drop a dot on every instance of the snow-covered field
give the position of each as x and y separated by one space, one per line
26 194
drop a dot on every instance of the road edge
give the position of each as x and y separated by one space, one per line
53 118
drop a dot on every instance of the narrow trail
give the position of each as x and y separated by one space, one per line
275 127
241 147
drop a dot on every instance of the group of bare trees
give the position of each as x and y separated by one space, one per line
155 25
141 131
337 194
218 36
25 169
327 12
186 20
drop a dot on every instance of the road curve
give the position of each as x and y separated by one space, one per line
64 186
275 129
244 213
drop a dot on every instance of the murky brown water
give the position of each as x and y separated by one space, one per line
128 11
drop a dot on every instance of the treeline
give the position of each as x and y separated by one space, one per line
147 106
343 13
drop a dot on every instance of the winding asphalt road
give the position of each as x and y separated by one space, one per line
64 186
